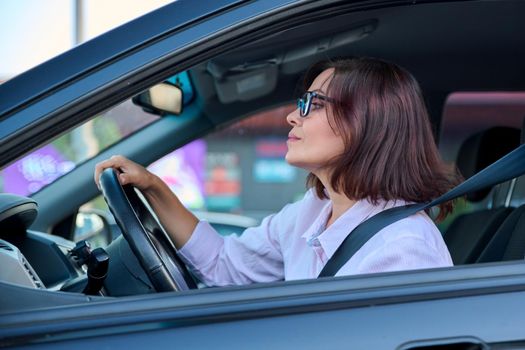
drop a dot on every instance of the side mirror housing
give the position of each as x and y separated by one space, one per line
93 226
162 99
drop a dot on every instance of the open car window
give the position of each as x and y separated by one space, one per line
231 178
47 164
238 170
42 167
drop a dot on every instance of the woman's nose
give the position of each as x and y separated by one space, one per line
293 118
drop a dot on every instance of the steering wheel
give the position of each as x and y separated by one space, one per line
146 238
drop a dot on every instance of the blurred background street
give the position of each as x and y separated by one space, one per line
34 31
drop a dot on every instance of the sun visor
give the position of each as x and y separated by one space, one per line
299 58
247 85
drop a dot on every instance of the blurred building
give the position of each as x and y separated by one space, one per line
34 31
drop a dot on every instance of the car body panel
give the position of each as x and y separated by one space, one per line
359 312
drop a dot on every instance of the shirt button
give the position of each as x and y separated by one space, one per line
313 242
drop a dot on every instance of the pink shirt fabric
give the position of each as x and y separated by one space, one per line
294 244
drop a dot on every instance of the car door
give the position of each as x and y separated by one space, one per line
462 308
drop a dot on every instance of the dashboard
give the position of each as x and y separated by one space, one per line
38 260
29 258
15 268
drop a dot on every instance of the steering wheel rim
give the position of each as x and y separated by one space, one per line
146 238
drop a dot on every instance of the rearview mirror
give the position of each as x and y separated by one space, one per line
161 99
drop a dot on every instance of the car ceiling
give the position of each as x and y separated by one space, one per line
451 46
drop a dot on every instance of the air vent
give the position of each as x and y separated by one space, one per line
31 273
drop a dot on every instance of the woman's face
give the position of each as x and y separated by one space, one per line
312 142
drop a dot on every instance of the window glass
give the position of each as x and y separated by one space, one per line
467 113
43 166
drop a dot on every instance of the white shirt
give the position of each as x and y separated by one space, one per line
294 244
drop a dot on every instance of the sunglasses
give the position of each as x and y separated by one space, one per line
305 102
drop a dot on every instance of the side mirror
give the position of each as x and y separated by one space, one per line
161 99
93 226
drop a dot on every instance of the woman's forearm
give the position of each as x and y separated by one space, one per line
178 221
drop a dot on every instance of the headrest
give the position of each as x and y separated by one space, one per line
482 149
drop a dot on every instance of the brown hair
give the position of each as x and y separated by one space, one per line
390 151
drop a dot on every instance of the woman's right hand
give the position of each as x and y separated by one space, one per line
128 172
178 221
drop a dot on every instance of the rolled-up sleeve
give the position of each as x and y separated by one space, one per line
255 256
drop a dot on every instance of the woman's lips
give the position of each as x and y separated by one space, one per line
293 138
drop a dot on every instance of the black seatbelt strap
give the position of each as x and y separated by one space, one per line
510 166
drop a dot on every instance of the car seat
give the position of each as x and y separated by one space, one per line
469 234
508 242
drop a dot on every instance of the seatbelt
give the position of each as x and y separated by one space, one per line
510 166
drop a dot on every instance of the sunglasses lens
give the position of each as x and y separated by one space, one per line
300 105
304 104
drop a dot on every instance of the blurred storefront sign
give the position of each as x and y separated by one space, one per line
270 165
34 171
223 181
183 172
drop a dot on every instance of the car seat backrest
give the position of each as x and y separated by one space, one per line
508 242
468 235
482 149
517 192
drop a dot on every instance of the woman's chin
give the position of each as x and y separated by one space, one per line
290 159
296 162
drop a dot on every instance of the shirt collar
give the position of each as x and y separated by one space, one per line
320 221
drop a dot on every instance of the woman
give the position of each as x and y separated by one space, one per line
363 133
